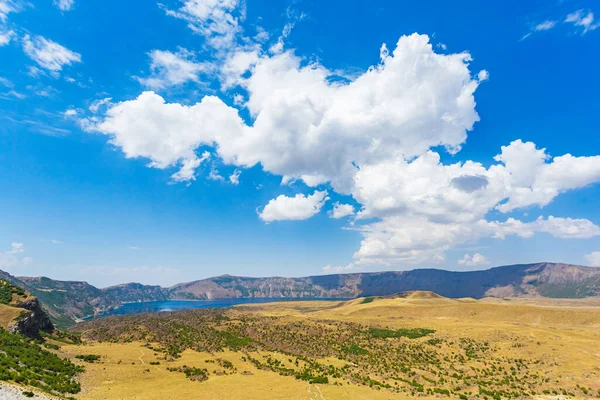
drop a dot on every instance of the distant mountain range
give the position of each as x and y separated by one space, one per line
69 301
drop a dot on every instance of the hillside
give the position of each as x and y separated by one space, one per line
70 301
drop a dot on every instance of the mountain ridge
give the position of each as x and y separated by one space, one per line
68 302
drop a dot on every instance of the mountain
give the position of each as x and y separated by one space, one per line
70 301
526 280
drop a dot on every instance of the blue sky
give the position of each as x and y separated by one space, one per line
172 141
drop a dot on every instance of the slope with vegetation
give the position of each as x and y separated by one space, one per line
25 328
405 346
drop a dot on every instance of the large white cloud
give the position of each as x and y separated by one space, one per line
534 181
168 134
298 207
370 137
307 127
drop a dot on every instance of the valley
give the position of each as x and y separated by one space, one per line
68 302
418 344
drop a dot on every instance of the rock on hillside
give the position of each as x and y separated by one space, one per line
31 319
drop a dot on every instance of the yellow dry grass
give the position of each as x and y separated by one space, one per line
125 373
567 332
7 314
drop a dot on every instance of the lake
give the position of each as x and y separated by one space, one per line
176 305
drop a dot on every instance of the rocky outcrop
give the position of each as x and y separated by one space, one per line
32 320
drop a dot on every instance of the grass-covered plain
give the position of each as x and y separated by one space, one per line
415 346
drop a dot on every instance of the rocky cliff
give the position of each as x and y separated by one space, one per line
32 320
22 311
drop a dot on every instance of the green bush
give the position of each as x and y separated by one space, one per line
25 362
91 358
403 332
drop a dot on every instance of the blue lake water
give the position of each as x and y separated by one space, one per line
176 305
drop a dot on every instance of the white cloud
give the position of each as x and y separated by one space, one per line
534 181
217 20
48 54
580 19
412 239
566 228
369 137
6 37
341 210
545 26
64 5
13 93
214 175
298 207
234 178
583 19
593 258
331 269
43 91
99 104
12 258
16 248
167 134
173 69
261 35
306 127
238 100
474 260
70 113
7 7
188 167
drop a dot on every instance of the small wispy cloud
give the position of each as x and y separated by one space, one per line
474 260
583 20
64 5
339 269
48 54
13 258
545 26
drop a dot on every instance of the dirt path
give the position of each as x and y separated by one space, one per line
143 363
316 393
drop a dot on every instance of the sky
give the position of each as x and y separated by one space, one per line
162 142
